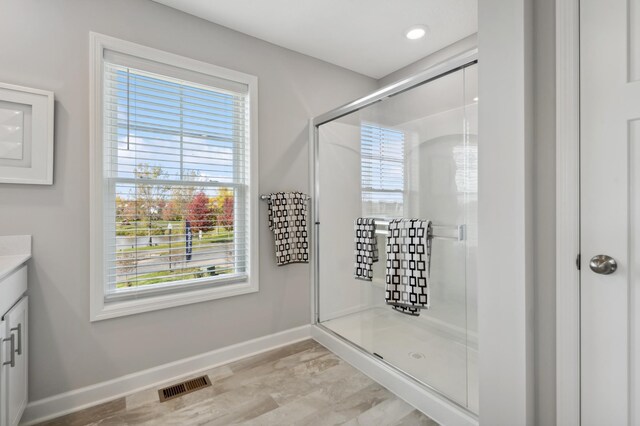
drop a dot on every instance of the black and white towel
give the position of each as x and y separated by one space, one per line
408 265
366 252
288 221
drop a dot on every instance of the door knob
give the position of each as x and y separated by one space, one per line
603 264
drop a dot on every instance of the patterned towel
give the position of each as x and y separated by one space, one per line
408 265
288 221
366 251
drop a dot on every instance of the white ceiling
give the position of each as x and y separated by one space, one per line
366 36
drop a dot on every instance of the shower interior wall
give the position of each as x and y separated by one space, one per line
436 182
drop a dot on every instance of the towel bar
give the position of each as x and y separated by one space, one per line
456 232
266 197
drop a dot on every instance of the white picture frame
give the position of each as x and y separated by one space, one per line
26 135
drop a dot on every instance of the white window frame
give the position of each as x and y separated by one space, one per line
99 309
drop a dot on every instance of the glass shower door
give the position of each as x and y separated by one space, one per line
414 156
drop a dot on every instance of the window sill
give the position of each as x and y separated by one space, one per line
114 309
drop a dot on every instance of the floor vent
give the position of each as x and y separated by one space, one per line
183 388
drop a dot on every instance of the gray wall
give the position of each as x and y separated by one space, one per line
441 55
45 44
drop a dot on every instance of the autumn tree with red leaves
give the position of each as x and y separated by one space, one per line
200 214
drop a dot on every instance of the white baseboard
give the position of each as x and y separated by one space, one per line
68 402
429 402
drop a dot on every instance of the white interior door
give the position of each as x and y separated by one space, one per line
610 210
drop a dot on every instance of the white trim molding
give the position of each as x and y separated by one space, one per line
68 402
567 212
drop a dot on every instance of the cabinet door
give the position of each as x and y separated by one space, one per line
4 351
15 371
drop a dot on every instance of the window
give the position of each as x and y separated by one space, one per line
466 159
173 180
382 171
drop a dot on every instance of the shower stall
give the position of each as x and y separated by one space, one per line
409 151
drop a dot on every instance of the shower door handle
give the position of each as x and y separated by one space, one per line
603 264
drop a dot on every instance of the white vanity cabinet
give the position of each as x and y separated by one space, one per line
14 349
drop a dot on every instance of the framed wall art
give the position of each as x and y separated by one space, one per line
26 135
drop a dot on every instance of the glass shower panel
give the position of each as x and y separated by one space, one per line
470 158
412 155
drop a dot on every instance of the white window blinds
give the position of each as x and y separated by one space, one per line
382 171
176 175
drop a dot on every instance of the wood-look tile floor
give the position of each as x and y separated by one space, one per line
299 384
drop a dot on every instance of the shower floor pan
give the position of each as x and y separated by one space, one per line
438 359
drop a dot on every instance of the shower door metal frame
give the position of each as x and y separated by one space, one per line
456 63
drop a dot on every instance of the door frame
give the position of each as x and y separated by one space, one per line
567 212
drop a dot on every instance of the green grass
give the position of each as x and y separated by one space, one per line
167 276
158 227
208 238
134 229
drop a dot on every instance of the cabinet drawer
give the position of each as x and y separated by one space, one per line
12 288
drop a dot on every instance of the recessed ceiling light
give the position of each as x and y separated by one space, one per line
475 99
416 32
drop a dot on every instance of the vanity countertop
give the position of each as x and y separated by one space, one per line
10 263
14 251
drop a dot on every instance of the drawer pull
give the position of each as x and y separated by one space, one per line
19 330
12 341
